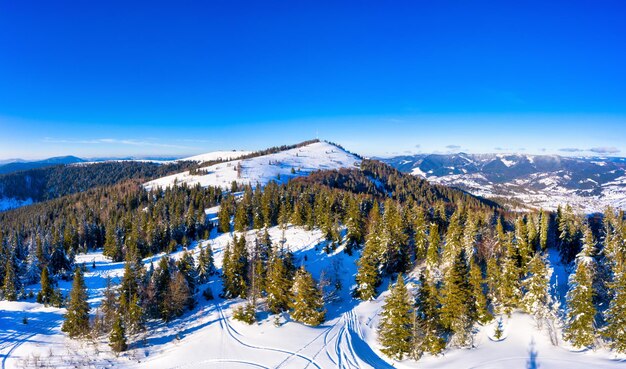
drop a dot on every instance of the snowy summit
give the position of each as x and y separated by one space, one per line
277 167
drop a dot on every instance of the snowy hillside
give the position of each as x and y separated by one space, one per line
279 167
217 155
208 337
536 181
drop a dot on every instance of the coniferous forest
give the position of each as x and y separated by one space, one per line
473 262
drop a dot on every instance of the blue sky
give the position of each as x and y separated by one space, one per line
115 78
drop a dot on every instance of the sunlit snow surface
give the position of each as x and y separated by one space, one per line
207 337
280 167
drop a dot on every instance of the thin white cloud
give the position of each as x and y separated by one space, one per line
604 150
116 141
571 149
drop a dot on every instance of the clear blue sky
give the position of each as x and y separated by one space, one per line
103 78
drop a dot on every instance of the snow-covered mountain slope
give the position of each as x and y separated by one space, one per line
280 167
533 181
208 337
217 155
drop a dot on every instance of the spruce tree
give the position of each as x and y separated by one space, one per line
521 239
11 281
615 315
112 247
45 295
278 286
224 216
544 229
580 327
307 304
453 239
480 309
420 234
109 306
354 223
235 271
395 330
536 288
434 240
129 295
76 322
186 266
117 338
509 287
368 275
427 317
470 232
206 264
456 301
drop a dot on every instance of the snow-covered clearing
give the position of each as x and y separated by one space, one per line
207 337
280 167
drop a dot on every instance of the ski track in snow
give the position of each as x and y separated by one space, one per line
347 341
229 329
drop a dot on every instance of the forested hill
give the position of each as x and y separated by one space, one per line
42 184
155 220
382 180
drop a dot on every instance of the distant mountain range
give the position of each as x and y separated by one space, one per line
17 165
522 181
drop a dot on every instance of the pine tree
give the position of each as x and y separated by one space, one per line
76 322
45 295
396 322
117 338
580 327
307 304
536 288
11 281
456 301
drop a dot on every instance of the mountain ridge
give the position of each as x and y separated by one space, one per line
540 181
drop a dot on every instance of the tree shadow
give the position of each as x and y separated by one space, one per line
532 362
